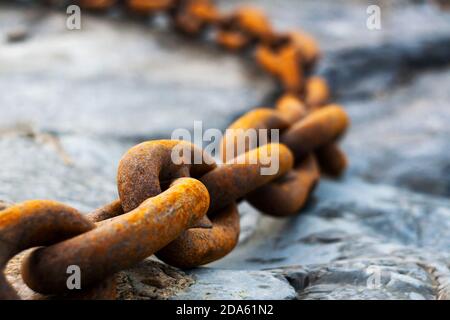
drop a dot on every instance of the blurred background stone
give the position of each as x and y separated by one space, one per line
72 102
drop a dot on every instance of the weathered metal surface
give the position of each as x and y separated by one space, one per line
146 166
244 134
332 160
35 223
196 247
288 194
243 174
122 242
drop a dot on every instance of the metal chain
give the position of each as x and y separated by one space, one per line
186 214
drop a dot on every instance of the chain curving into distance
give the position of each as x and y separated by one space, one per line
186 214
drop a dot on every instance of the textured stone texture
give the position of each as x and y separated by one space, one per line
213 284
73 102
71 76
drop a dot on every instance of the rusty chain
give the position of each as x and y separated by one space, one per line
187 214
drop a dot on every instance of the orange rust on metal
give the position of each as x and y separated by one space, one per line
111 211
241 175
196 247
96 4
36 223
140 171
315 130
317 93
290 73
306 45
288 194
332 160
237 135
150 6
188 25
204 10
226 183
253 22
260 118
267 59
145 166
193 16
232 40
120 244
284 63
291 108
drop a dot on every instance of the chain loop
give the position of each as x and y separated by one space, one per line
317 129
40 223
198 246
287 195
149 165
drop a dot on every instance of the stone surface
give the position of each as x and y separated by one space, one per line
385 278
74 101
350 233
340 223
152 280
71 169
213 284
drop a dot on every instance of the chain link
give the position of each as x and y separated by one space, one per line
186 214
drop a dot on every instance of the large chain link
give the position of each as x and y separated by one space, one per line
187 213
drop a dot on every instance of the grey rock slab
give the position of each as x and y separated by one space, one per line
216 284
354 241
151 279
402 137
386 278
346 219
